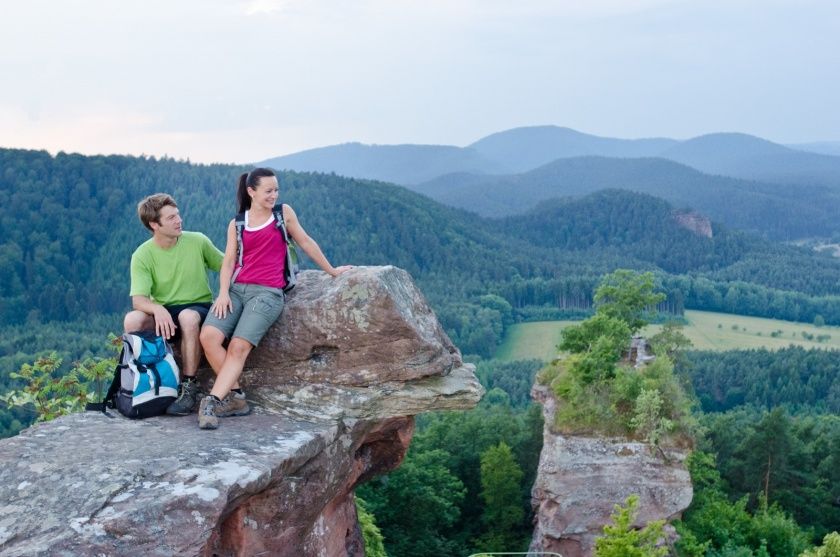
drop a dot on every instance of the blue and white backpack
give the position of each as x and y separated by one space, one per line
146 377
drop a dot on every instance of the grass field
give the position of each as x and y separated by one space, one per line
706 330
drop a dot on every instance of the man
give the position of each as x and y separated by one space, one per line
170 292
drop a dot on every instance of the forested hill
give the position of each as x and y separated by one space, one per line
70 225
779 212
638 224
648 229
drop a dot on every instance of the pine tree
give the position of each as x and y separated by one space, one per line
501 479
620 539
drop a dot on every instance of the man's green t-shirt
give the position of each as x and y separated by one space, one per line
177 275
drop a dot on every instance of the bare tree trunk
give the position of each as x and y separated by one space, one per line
767 480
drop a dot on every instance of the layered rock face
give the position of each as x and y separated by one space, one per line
334 407
695 222
581 479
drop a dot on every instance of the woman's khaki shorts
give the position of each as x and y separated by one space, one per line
255 309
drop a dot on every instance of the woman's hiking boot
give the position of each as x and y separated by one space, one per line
207 418
188 395
234 404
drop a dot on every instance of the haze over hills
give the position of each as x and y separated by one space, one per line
399 164
821 147
746 156
523 149
773 210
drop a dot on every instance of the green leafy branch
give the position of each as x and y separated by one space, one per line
52 394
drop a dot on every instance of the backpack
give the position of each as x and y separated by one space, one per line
291 268
146 377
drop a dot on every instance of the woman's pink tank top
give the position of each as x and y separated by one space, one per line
263 255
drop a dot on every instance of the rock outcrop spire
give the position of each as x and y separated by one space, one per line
581 478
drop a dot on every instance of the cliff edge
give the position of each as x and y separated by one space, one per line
336 383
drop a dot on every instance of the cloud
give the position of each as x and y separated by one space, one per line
257 7
172 78
122 131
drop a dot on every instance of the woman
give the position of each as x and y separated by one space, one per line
251 293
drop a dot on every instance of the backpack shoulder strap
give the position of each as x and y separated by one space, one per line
110 396
280 222
239 224
291 268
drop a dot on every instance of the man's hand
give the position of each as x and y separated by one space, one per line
164 326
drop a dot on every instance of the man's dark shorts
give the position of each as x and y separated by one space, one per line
201 308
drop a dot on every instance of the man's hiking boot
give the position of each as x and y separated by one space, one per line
207 418
188 395
234 404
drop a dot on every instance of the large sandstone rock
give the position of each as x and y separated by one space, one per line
581 479
277 482
366 327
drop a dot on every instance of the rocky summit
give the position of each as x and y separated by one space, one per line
335 383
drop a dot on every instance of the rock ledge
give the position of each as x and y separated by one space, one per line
277 482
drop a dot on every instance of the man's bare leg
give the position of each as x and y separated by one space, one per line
190 323
136 320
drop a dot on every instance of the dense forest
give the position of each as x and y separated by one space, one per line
770 450
803 381
71 226
765 470
766 482
466 481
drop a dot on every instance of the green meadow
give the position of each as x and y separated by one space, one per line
707 331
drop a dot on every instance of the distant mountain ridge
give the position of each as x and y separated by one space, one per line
399 164
523 149
745 156
820 147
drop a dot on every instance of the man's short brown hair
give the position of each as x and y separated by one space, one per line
149 208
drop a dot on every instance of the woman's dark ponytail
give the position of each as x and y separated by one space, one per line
249 180
241 195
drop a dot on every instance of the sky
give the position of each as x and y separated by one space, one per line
245 80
